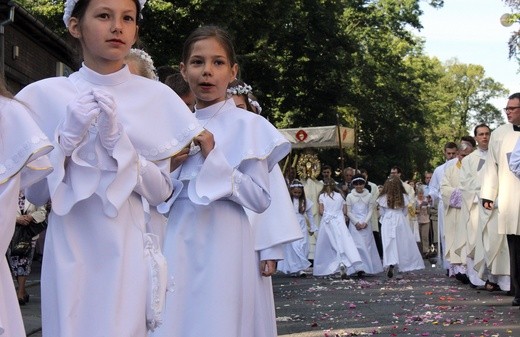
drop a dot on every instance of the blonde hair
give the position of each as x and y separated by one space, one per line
394 191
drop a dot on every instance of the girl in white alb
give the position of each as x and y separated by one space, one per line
114 134
335 248
209 242
360 206
295 253
399 246
22 162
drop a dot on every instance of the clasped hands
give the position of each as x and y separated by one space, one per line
359 226
95 107
203 142
24 219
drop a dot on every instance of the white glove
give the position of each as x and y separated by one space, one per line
80 115
108 127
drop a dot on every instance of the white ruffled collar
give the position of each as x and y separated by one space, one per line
96 78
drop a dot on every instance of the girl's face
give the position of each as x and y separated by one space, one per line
296 192
208 71
240 101
359 187
107 31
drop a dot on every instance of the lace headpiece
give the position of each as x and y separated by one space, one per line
296 184
69 7
240 89
256 105
148 62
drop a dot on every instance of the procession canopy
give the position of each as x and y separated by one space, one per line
319 137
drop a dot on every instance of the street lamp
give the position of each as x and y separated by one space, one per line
507 19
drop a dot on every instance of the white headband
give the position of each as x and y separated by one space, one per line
296 183
69 7
358 179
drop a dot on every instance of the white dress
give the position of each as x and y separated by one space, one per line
399 246
22 162
359 209
209 243
296 252
335 245
95 273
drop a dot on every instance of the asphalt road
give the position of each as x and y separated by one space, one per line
423 303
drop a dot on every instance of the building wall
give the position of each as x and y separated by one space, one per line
38 55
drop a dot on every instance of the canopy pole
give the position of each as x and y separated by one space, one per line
342 160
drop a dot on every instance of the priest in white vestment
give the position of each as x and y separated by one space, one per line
499 181
470 187
454 231
434 190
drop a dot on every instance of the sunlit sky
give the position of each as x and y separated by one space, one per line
470 31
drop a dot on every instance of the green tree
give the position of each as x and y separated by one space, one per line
310 61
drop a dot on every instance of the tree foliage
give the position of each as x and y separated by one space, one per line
314 62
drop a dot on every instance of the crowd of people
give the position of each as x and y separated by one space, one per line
463 215
166 206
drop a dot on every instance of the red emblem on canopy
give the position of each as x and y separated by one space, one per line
301 135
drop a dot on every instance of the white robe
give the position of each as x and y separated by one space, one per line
360 207
455 232
499 182
273 229
335 245
209 242
470 186
399 246
435 194
95 273
22 162
312 189
374 221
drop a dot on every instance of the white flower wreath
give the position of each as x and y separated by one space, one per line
69 7
240 90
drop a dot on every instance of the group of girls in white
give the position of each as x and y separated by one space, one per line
351 250
126 147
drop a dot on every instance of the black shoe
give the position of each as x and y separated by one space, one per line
21 301
463 278
516 302
361 274
390 273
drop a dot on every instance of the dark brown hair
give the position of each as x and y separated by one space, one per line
206 32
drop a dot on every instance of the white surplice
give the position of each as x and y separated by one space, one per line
470 180
209 242
455 232
22 162
435 194
498 181
95 273
312 188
